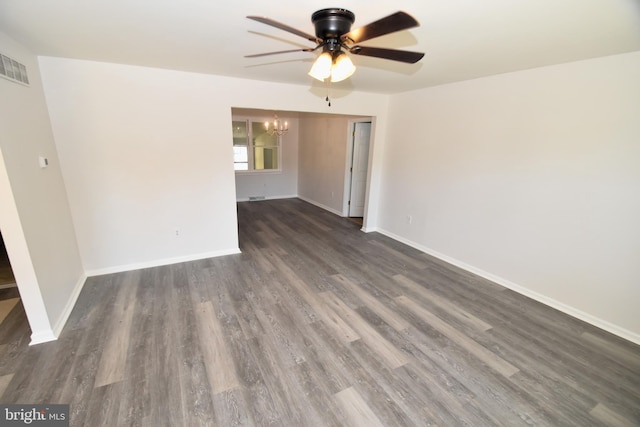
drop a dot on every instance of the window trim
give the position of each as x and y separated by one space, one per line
249 120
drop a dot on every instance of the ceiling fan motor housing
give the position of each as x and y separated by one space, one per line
333 34
332 23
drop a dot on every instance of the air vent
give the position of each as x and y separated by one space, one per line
13 70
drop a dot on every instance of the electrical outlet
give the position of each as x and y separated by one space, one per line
409 219
333 194
177 233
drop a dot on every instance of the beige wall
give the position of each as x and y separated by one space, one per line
324 140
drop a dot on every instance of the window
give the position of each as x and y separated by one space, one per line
240 148
254 150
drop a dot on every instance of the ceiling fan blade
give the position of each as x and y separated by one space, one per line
390 24
285 27
256 55
392 54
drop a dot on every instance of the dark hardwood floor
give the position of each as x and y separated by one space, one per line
319 324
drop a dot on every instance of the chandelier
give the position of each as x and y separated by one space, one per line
277 127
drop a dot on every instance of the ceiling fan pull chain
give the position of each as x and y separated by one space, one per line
328 89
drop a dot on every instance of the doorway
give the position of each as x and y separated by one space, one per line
14 322
10 307
358 171
7 279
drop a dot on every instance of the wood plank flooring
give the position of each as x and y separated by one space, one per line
318 324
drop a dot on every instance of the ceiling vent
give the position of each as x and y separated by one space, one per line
13 70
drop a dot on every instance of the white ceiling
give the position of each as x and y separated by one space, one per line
462 39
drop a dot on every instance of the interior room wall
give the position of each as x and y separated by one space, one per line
272 185
531 179
147 152
146 164
35 217
323 158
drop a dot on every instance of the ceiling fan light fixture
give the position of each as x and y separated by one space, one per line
333 33
342 68
321 68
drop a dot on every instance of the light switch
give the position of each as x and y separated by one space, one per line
43 161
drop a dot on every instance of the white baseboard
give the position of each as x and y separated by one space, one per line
42 336
160 262
567 309
320 205
313 202
246 199
53 334
64 316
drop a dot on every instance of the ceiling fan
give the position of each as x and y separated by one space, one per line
334 36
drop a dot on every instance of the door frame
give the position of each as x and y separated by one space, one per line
23 269
348 164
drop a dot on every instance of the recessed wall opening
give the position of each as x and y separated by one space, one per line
13 319
315 159
7 279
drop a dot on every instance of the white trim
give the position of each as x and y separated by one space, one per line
567 309
250 147
13 80
371 230
246 199
42 336
64 316
349 164
21 264
346 191
257 171
160 262
320 205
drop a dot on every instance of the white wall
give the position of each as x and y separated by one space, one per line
34 213
530 178
147 151
271 185
146 166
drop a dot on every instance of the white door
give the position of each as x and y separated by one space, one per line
359 166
